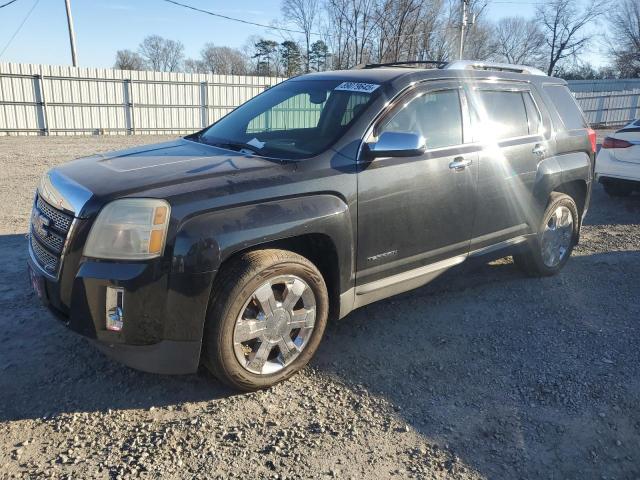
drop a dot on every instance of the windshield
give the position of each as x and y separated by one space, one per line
293 120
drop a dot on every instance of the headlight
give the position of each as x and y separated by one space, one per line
129 229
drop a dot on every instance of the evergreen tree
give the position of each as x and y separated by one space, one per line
264 53
291 58
318 56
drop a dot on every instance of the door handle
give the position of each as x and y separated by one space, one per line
539 150
459 164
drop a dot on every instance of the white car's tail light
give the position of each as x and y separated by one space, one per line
610 142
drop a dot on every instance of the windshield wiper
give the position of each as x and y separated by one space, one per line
238 146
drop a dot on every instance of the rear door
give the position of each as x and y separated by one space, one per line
414 211
509 125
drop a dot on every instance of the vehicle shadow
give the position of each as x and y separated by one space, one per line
606 210
45 369
509 373
495 367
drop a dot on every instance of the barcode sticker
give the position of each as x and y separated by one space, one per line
357 87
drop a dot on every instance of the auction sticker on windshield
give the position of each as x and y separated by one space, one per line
357 87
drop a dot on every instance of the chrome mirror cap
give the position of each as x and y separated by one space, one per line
398 144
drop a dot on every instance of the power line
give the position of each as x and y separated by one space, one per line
219 15
8 3
19 28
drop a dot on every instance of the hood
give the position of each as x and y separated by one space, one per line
134 171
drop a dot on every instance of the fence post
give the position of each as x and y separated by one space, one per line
634 106
41 104
600 109
204 104
128 106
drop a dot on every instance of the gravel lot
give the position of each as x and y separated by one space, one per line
481 374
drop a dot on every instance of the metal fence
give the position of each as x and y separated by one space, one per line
56 100
610 108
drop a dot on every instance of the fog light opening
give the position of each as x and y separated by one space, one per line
114 309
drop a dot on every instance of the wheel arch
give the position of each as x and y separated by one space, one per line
568 173
318 227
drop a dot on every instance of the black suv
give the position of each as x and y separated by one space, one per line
232 247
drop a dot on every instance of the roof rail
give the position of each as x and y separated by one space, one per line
502 67
436 63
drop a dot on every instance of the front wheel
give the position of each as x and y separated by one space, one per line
550 250
268 312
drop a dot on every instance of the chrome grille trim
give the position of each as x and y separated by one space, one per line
46 260
50 229
61 221
51 240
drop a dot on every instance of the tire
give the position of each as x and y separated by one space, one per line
236 300
535 261
618 189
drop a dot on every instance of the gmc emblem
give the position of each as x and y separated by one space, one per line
40 223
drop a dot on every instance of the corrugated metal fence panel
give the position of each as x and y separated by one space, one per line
609 85
59 100
610 108
49 99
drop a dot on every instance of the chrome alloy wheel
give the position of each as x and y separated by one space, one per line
274 325
557 236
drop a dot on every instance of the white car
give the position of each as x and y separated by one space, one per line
618 162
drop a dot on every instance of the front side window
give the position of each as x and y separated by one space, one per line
293 120
437 116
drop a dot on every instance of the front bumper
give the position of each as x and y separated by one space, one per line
163 313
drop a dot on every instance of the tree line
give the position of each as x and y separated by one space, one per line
339 34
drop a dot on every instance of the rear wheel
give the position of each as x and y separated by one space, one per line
550 250
268 312
618 189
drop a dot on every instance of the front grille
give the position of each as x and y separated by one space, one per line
61 221
44 258
48 234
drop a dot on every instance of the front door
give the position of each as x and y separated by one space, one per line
415 211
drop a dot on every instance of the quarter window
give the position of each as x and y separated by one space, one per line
566 106
436 116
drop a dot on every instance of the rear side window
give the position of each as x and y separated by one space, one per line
566 106
502 113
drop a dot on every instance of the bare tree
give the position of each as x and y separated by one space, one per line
564 23
192 65
162 54
354 25
304 15
519 40
625 37
223 60
128 60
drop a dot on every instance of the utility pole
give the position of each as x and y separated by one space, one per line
463 24
72 35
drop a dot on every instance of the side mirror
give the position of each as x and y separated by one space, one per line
398 144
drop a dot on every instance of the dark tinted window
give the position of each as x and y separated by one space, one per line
501 114
566 106
436 116
295 119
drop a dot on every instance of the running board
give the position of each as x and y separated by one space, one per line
402 282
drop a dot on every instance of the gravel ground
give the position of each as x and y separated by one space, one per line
482 374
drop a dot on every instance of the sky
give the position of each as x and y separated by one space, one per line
104 26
